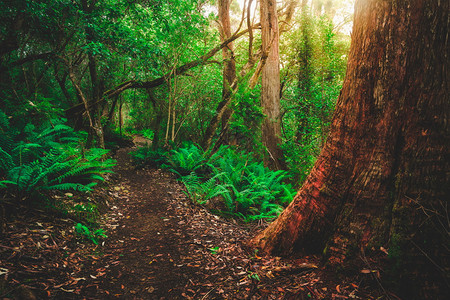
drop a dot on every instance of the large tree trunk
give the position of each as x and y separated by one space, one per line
382 174
229 74
270 86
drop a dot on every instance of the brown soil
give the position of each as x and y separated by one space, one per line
159 246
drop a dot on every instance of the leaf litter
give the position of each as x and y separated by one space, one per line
159 246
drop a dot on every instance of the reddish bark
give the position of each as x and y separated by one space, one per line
385 155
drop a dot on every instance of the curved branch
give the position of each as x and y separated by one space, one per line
132 83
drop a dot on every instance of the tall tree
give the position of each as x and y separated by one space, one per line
383 173
96 135
270 85
229 72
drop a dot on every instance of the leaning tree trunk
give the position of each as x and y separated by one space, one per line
223 112
382 174
270 86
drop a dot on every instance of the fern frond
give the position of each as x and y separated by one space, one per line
6 161
69 186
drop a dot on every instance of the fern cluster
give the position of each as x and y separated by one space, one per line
145 156
247 189
253 191
35 160
187 159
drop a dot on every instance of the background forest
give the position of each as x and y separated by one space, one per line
81 76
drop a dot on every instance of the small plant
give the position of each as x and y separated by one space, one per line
87 212
200 192
248 189
253 276
148 133
214 250
86 233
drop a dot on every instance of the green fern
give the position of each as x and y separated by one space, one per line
37 160
183 161
146 156
248 189
6 161
200 192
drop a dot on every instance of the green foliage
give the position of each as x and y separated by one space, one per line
35 161
92 235
214 250
247 189
311 87
148 133
253 276
86 211
201 191
183 161
247 119
146 156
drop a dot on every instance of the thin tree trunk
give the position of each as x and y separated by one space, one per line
229 75
120 116
166 139
386 159
270 86
95 132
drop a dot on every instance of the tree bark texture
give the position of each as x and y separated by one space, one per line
270 85
383 172
229 73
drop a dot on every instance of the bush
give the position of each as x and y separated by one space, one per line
248 189
34 161
184 161
254 191
146 156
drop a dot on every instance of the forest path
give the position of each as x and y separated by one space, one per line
160 246
142 251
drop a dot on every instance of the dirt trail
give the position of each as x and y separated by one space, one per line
164 247
144 246
159 246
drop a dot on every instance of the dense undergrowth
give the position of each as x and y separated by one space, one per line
49 168
238 185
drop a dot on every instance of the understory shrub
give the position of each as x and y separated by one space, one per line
34 161
146 156
253 191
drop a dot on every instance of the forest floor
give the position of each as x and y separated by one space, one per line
159 246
